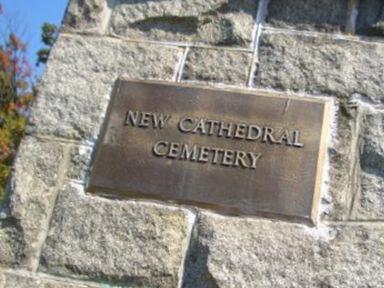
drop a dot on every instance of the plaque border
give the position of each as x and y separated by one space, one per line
321 159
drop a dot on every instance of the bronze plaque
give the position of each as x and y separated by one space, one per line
234 152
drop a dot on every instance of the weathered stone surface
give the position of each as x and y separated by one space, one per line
342 163
321 65
217 22
27 281
33 187
12 244
80 160
86 15
356 161
324 15
370 19
79 77
234 252
372 146
2 280
369 203
222 66
122 242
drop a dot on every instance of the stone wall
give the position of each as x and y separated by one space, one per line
53 234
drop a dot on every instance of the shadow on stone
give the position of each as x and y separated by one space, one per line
323 15
227 22
196 273
12 243
370 20
173 24
372 146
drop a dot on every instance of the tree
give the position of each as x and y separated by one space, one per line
48 37
16 94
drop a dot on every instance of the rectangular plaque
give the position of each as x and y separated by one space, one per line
234 152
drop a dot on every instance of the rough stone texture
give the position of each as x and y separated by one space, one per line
343 170
370 201
324 15
12 244
141 244
233 252
79 77
122 242
33 187
370 19
321 65
216 22
27 281
221 66
86 16
372 148
80 160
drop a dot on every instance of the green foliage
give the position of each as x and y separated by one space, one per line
11 130
49 33
16 95
42 55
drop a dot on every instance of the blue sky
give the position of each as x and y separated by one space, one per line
29 16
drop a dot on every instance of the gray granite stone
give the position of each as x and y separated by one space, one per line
80 160
372 145
342 163
12 244
27 281
216 22
323 15
356 161
370 204
79 77
33 191
220 66
321 65
370 19
235 252
369 201
89 16
2 280
124 242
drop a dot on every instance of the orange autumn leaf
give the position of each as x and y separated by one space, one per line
4 60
